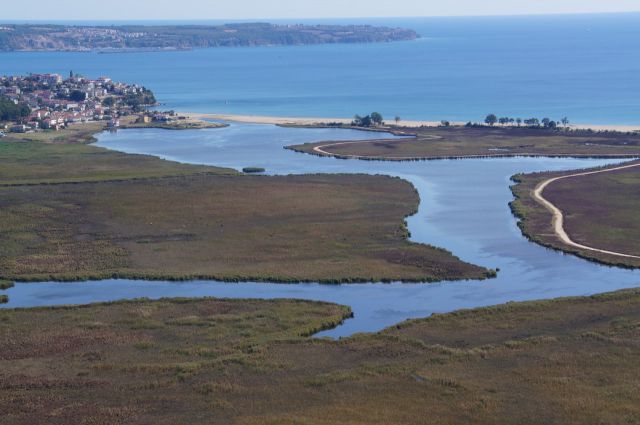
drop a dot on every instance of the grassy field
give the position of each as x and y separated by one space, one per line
70 211
601 211
459 142
80 133
330 228
39 162
570 361
84 132
66 156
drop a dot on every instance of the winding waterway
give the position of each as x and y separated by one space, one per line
464 208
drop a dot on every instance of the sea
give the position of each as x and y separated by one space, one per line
584 67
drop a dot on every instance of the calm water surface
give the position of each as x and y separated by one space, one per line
586 67
464 208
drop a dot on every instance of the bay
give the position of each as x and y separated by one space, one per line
585 67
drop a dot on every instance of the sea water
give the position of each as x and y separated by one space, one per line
584 67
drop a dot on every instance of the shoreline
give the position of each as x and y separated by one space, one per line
265 119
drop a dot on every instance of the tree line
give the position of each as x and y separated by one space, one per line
493 119
371 120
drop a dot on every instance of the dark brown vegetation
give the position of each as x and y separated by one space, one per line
331 228
26 162
461 142
600 211
112 214
569 361
6 284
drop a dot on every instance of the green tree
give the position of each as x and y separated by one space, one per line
377 118
532 122
491 119
109 101
397 119
78 96
9 111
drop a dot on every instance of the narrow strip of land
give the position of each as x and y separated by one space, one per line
558 216
321 149
263 119
266 119
463 142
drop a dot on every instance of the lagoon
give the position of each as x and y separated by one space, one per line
586 67
464 208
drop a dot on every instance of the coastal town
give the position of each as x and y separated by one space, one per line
50 102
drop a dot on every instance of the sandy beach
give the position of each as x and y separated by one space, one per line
262 119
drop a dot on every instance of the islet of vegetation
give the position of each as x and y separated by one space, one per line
6 284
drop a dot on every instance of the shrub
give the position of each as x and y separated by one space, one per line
6 284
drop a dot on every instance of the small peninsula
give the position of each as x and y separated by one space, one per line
477 141
590 213
123 38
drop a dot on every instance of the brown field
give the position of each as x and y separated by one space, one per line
112 214
461 142
569 361
332 228
601 211
26 163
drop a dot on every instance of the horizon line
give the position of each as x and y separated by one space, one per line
506 15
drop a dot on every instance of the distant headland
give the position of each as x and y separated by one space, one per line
47 37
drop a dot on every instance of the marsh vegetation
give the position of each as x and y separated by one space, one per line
570 361
481 141
600 211
72 211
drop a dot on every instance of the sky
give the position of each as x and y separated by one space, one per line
291 9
